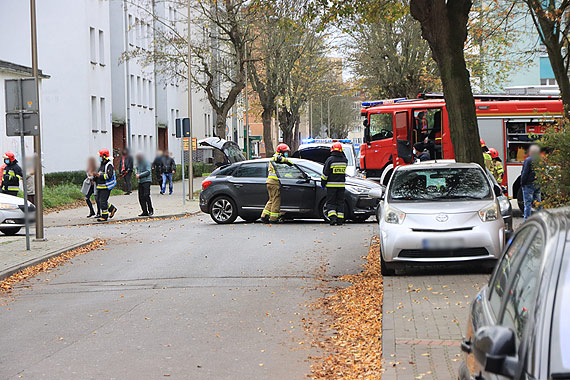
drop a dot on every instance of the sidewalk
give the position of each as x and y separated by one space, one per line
129 208
14 257
424 319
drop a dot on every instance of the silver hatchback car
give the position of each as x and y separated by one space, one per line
439 213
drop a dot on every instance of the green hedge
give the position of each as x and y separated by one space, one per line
63 178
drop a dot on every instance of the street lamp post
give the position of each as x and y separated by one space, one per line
191 142
329 113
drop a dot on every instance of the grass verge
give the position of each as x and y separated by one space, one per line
351 336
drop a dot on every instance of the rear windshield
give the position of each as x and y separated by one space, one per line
440 184
233 152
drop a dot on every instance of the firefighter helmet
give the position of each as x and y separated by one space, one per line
10 156
336 147
482 142
104 153
494 153
282 148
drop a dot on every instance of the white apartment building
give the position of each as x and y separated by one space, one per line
75 103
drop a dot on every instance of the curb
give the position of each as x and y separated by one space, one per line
7 273
134 218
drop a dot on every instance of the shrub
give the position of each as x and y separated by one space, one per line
552 173
62 178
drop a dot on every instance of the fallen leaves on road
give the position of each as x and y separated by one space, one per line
46 266
354 351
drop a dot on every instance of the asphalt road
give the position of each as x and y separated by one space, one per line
181 299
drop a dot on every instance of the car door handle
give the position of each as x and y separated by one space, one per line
238 185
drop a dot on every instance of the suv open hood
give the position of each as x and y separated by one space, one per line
232 152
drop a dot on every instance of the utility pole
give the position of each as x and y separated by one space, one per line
38 175
329 114
321 126
191 142
247 153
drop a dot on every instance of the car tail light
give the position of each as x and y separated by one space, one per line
205 184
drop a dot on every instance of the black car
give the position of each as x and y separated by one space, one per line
518 326
239 189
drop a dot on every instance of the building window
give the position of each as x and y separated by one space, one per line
145 93
210 126
103 113
133 90
173 122
101 48
206 125
138 32
94 113
93 45
131 30
150 95
139 91
548 81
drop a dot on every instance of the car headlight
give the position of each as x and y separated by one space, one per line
357 189
393 215
490 213
8 206
505 205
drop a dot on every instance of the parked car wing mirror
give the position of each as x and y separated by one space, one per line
376 193
495 348
498 190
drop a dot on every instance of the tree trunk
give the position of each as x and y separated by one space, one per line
295 143
220 130
554 51
266 117
444 27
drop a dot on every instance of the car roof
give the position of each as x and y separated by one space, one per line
322 144
295 160
439 164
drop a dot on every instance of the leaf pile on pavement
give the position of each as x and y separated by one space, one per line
352 342
46 266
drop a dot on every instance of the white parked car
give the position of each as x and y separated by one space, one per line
12 217
439 212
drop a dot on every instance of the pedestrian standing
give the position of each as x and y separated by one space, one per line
106 180
272 211
168 171
157 167
531 190
31 185
12 174
144 176
333 179
89 188
126 170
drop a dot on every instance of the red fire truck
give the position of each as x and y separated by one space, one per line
508 123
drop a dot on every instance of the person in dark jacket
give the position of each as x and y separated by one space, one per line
105 180
333 179
420 152
144 177
531 191
126 170
157 167
12 174
168 170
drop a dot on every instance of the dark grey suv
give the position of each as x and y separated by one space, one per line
239 190
519 323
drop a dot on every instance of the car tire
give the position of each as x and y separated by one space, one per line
520 199
223 210
322 211
386 269
10 230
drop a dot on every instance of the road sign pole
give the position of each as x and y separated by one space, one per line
190 169
38 176
23 154
183 164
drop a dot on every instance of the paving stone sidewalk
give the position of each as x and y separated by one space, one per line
424 319
14 257
129 208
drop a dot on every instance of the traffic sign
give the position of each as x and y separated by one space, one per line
185 144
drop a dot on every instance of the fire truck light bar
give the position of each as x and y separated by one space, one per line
374 103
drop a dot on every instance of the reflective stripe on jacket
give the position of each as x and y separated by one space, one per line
271 172
106 178
334 170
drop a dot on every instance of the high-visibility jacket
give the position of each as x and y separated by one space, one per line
498 171
106 179
334 171
488 161
12 176
271 172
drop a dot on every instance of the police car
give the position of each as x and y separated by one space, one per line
318 150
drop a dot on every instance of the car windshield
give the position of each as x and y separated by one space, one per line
440 184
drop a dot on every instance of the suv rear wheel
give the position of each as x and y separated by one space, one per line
223 210
10 230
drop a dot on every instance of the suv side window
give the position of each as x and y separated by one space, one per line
522 294
500 281
256 170
288 172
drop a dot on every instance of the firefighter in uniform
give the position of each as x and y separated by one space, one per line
498 171
486 156
12 174
105 180
272 210
333 178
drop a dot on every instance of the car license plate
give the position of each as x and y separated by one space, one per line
443 244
